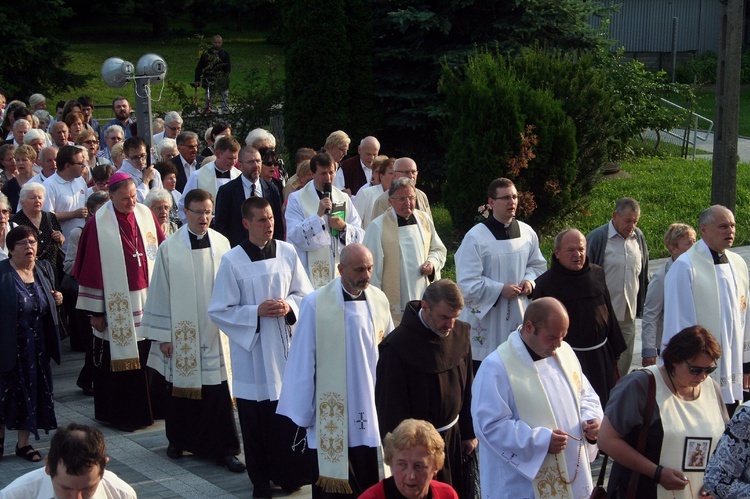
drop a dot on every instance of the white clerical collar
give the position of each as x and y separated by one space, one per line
199 236
428 327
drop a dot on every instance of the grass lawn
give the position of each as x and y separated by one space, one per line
668 189
247 50
706 106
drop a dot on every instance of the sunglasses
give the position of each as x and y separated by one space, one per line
695 371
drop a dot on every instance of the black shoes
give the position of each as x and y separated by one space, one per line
173 452
262 490
232 464
88 390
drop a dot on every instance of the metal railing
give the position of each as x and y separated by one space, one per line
692 132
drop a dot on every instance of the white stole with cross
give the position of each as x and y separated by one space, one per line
121 330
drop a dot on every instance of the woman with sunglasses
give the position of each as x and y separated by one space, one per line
688 418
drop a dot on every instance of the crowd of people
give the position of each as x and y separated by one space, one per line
314 305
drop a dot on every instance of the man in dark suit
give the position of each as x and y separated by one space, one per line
229 198
356 172
188 160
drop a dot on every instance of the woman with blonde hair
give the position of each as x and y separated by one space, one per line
415 453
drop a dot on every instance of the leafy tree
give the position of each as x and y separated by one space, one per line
316 64
32 60
526 136
414 38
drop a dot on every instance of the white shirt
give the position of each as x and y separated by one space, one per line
64 196
37 484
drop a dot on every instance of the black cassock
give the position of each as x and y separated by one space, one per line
423 376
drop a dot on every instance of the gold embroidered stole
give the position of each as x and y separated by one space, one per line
319 260
183 306
536 410
389 238
331 414
698 420
121 331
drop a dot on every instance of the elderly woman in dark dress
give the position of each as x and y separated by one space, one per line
27 343
49 237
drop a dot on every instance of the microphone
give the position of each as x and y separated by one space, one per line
327 194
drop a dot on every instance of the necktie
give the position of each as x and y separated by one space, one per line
252 191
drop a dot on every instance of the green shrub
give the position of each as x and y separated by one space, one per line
501 127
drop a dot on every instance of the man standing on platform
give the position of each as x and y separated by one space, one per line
256 302
535 414
620 248
115 259
175 317
709 285
425 372
329 382
594 333
310 224
213 71
496 266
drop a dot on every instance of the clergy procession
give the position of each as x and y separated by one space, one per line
303 325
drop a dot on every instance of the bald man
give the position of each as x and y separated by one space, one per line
708 285
332 364
356 171
528 441
403 167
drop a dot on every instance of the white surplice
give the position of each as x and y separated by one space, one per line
159 318
483 265
258 355
308 232
364 202
510 451
412 241
297 400
722 292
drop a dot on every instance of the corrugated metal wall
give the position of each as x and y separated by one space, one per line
646 25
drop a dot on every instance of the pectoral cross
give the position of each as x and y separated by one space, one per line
137 255
361 420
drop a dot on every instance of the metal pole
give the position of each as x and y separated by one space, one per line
674 48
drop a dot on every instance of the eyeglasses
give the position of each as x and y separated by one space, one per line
251 162
404 199
90 142
139 157
695 370
274 164
343 151
514 197
207 213
5 212
174 128
26 242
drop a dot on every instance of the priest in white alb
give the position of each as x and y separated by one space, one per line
116 255
496 266
407 251
188 349
535 414
709 285
310 224
256 299
329 382
216 173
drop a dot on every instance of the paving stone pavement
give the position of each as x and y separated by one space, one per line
140 457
